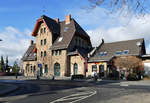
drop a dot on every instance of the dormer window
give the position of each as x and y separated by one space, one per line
34 54
138 44
125 51
60 39
118 52
105 53
101 54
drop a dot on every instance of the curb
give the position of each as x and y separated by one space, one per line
11 88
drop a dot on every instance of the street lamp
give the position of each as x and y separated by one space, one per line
1 40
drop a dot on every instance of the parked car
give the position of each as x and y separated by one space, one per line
78 76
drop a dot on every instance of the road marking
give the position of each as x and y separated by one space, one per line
75 97
124 84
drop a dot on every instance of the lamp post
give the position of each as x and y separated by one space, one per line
1 40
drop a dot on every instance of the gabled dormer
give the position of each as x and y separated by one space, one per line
48 26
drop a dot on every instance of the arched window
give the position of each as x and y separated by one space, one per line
75 68
57 69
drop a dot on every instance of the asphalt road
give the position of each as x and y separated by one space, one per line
72 92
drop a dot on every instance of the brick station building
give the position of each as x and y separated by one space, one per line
60 49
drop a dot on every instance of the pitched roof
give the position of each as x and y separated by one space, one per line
50 24
29 54
61 30
112 48
67 31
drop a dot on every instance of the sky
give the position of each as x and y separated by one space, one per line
18 18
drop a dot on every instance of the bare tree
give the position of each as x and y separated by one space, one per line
132 63
137 7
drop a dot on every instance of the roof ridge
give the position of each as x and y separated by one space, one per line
124 41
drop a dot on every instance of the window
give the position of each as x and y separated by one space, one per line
46 69
75 69
41 42
44 41
76 41
105 53
41 30
34 54
52 52
101 67
60 52
60 39
79 42
118 52
31 69
94 68
41 54
26 68
65 29
44 53
125 51
56 52
101 54
44 30
34 69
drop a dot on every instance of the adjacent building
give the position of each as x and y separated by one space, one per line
100 61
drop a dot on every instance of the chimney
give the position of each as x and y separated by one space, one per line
31 42
57 20
68 19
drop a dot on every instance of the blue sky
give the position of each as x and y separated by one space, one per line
18 17
23 13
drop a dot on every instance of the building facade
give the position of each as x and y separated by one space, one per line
58 48
63 48
101 60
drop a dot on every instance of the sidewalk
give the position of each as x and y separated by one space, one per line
127 83
141 82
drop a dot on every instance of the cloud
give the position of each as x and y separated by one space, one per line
15 43
113 27
136 28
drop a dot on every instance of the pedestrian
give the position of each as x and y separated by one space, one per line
16 75
38 77
92 74
95 76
